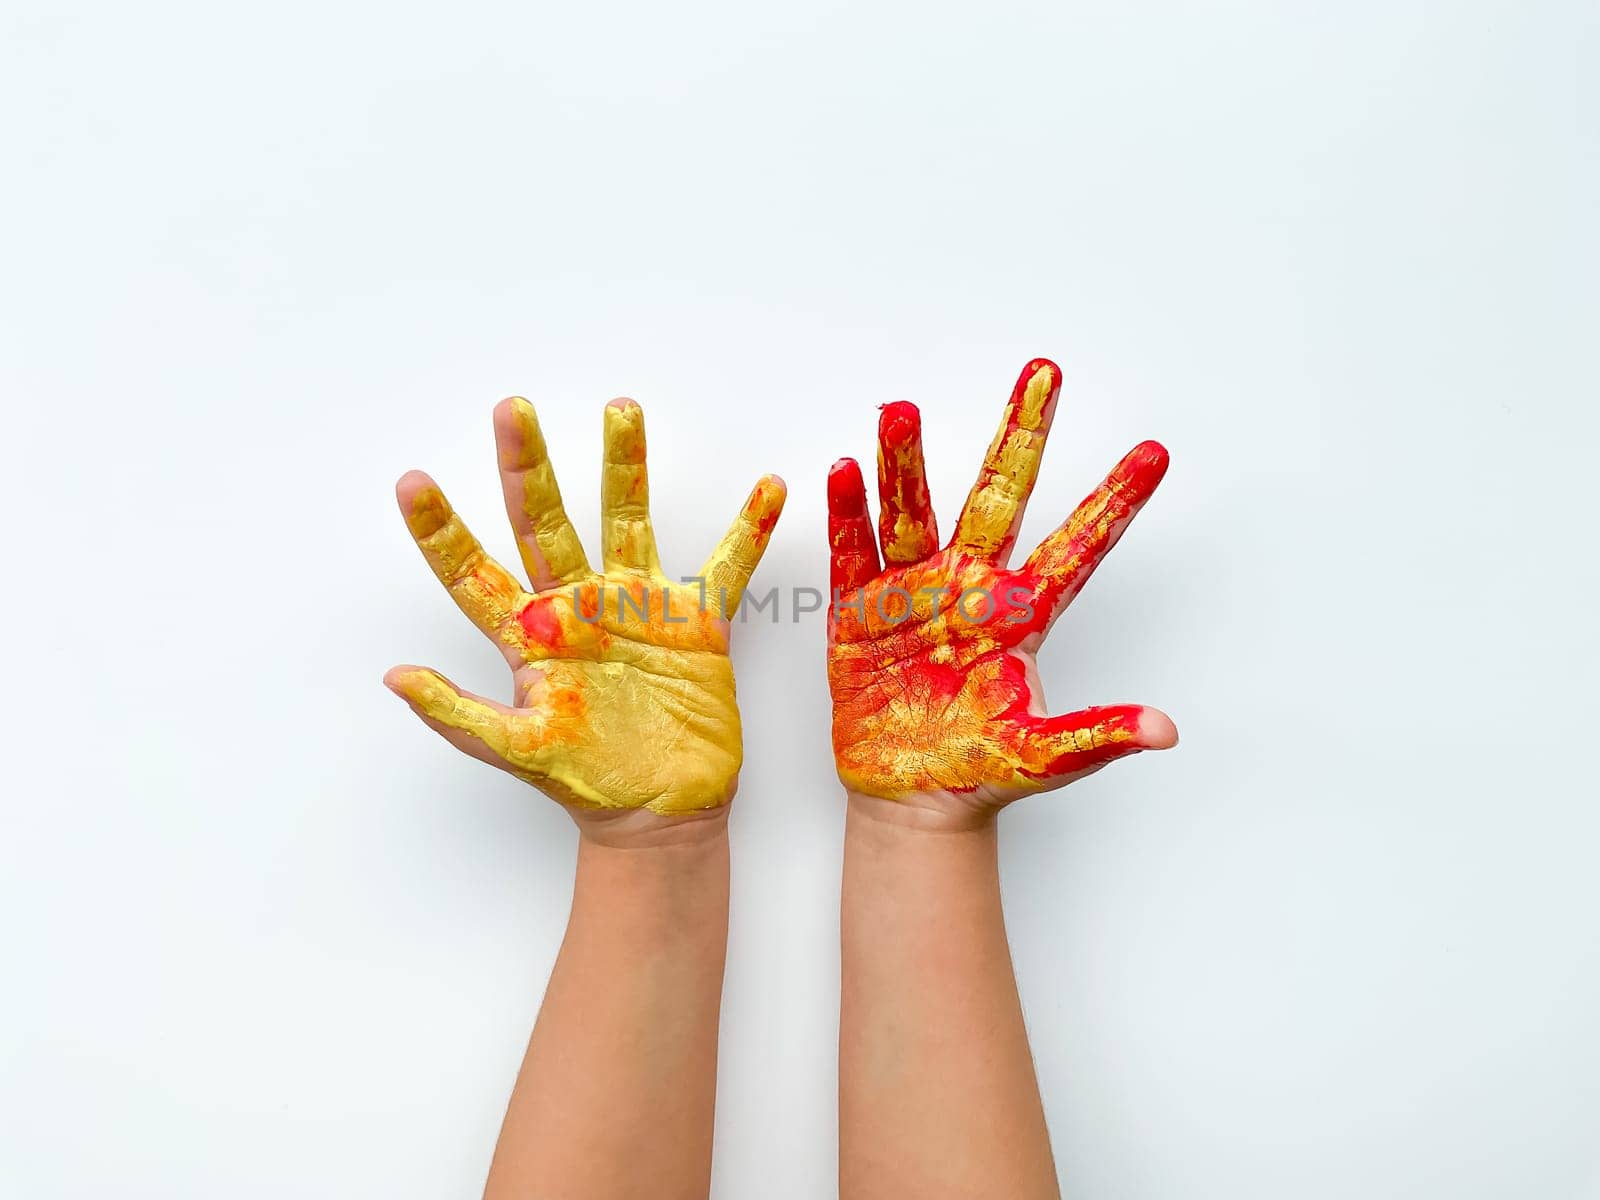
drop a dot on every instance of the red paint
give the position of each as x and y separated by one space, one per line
939 682
1060 730
850 534
1064 561
964 681
761 515
1011 423
899 423
903 485
541 623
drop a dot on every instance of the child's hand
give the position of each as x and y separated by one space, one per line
936 699
621 703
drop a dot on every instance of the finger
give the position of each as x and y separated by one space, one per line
483 589
906 524
1063 562
630 543
727 572
989 520
854 550
1057 750
471 723
551 551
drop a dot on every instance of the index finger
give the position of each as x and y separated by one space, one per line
727 572
481 587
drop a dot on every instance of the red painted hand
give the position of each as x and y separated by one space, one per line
936 698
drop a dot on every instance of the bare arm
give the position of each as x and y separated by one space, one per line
616 1093
938 723
623 712
937 1095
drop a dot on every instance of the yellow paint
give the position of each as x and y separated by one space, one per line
906 540
734 560
485 590
927 706
944 702
628 541
624 693
621 713
994 506
549 545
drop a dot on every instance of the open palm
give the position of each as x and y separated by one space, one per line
931 654
623 690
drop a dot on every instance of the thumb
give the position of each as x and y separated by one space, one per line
470 723
1060 749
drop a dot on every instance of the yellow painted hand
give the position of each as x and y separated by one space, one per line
624 695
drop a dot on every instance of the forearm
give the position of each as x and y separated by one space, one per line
937 1094
616 1094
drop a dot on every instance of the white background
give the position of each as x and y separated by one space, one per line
266 936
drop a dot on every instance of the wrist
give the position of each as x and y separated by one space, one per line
901 858
665 881
943 814
639 829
